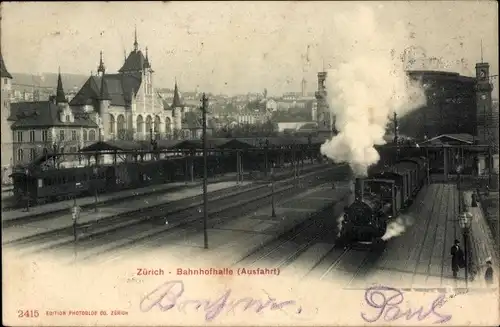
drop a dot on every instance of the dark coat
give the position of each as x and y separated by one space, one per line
488 275
457 257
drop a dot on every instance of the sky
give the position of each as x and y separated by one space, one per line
239 47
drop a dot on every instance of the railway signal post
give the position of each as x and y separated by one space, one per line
96 171
273 213
27 173
204 102
464 220
75 214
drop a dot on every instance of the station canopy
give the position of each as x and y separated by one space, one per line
212 143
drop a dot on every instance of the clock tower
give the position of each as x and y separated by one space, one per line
487 127
325 117
484 103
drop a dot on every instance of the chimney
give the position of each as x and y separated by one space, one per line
358 189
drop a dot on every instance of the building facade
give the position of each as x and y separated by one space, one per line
6 139
450 109
127 103
51 126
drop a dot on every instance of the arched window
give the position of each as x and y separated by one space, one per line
85 136
92 135
140 124
157 124
168 125
149 124
111 124
120 126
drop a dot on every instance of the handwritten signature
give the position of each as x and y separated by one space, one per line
386 301
167 296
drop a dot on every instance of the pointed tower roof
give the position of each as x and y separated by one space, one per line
3 69
176 103
146 61
101 68
136 44
135 62
60 96
104 94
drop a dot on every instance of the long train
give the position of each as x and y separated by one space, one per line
380 199
39 186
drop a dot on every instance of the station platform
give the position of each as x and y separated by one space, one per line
13 215
482 241
62 221
419 258
233 239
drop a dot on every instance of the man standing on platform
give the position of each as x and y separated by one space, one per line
488 275
457 258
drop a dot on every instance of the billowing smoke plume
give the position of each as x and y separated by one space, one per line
398 227
367 85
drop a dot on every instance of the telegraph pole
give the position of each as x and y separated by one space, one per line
204 102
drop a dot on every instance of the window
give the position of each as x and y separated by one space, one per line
32 136
20 155
19 136
45 136
45 151
61 135
73 135
5 81
85 135
67 119
92 135
32 154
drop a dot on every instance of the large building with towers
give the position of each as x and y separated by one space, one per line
126 101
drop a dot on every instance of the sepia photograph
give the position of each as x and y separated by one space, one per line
248 163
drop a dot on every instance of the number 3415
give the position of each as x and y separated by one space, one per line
27 313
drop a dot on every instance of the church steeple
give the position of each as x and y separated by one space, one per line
60 96
146 61
101 69
176 103
136 44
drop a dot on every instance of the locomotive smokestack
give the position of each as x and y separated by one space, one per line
358 189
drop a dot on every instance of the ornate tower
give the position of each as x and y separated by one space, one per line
303 87
7 138
484 102
104 104
60 96
487 131
101 69
325 120
177 111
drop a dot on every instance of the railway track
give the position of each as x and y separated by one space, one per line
48 215
139 223
154 238
283 252
309 251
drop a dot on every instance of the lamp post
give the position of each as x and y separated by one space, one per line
273 212
464 219
459 171
204 102
75 214
27 173
96 171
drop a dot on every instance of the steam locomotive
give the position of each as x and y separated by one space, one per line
380 198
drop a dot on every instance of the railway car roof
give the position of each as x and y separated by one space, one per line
418 160
405 166
394 175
